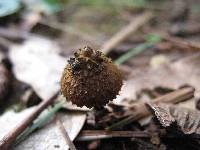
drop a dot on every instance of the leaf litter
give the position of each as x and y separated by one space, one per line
49 136
187 120
158 72
174 75
38 63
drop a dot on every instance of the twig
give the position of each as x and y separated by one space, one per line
65 134
8 139
88 135
140 110
181 43
42 119
133 26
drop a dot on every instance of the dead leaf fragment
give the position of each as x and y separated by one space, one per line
38 63
182 72
10 119
163 115
48 137
187 120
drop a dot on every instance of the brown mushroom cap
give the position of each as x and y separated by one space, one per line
90 79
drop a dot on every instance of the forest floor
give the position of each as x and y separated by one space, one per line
156 45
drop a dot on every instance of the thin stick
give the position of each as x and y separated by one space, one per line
88 135
141 111
40 121
181 42
8 139
133 26
65 134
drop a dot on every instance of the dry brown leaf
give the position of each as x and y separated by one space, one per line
188 120
183 72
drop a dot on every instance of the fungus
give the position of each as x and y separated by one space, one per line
90 79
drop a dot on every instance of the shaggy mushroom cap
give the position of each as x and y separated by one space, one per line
90 79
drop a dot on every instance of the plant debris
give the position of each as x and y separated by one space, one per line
49 135
187 120
41 56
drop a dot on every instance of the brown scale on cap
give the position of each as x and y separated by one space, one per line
90 79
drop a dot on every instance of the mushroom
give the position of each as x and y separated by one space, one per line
90 79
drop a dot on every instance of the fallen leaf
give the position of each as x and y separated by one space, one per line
49 136
10 119
38 63
188 120
182 72
163 115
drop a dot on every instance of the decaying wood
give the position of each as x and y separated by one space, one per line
133 26
65 134
7 140
140 110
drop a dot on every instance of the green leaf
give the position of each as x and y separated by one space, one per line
153 38
133 52
52 6
150 39
8 7
46 6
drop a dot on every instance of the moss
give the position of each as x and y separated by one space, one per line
90 79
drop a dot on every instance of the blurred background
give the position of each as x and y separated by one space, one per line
75 23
